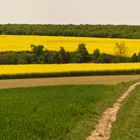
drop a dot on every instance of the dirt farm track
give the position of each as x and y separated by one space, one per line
34 82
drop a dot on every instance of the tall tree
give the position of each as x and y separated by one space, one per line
96 55
62 55
121 51
81 54
38 53
134 58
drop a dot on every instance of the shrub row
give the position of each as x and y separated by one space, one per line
40 56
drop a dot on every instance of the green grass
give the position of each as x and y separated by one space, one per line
54 113
127 126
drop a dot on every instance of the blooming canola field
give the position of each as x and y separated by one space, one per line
65 68
106 45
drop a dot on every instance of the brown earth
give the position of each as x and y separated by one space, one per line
103 128
66 81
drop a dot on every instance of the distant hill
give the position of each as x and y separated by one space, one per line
106 31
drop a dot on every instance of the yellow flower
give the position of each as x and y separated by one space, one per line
106 45
62 68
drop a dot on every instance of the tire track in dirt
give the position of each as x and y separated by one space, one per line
103 128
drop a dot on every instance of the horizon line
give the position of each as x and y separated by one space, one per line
69 24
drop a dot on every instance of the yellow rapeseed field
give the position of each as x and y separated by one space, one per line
20 43
62 68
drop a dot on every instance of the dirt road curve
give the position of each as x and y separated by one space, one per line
103 129
66 81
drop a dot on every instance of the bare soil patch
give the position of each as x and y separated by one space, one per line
34 82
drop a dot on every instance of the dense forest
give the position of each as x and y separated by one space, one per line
106 31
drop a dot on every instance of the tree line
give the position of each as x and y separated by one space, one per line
106 31
39 55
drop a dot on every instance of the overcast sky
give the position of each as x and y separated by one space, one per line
70 11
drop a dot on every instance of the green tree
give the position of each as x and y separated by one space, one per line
38 54
22 58
134 58
81 54
10 58
96 55
103 58
37 50
47 55
62 55
138 57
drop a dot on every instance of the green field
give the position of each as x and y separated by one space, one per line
54 113
127 126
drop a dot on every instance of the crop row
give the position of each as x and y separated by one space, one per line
56 70
106 45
